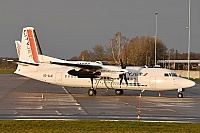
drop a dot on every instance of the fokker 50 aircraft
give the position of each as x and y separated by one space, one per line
33 64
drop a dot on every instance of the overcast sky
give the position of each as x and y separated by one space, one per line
67 27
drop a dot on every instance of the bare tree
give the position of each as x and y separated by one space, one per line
141 50
99 53
138 51
117 46
86 55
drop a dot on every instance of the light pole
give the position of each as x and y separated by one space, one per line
156 14
189 25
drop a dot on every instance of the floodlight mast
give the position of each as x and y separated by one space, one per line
156 26
189 34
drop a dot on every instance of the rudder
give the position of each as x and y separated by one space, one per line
18 47
29 49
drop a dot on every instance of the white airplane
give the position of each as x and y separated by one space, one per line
33 64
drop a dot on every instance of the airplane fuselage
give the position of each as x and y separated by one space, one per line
33 64
139 78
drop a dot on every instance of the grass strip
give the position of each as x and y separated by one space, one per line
7 71
81 126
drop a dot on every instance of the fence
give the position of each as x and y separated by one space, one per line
184 73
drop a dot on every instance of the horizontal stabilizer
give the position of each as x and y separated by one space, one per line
23 63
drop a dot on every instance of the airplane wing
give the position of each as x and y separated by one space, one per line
81 66
92 70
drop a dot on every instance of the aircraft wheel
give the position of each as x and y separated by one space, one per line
119 91
180 95
95 92
92 92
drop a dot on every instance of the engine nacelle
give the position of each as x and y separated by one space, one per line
84 74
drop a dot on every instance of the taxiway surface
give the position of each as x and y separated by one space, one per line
28 99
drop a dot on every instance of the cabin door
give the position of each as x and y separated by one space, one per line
59 77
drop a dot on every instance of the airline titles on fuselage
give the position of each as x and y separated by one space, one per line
134 74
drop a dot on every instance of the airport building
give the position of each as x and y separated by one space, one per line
180 64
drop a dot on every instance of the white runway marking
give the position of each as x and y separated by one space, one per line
65 90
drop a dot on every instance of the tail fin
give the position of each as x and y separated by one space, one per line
29 48
18 47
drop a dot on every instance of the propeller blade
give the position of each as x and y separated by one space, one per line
123 76
125 79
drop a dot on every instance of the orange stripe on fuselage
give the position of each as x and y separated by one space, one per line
33 46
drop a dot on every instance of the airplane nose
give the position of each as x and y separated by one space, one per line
192 83
185 83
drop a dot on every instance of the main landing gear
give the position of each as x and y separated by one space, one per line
119 91
92 91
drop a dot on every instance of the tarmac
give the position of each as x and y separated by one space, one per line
22 98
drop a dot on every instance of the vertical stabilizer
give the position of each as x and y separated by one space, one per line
29 48
18 47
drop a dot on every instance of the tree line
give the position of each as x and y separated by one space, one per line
4 64
138 51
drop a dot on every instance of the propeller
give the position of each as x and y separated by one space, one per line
123 76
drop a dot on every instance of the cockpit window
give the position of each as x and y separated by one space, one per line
170 74
166 74
173 74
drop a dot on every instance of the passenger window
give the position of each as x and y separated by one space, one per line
173 74
166 74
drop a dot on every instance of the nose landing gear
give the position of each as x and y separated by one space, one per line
180 94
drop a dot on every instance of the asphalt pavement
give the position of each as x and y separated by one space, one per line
22 98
